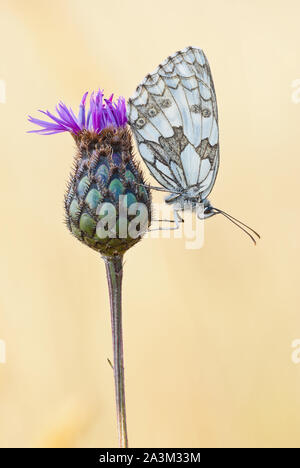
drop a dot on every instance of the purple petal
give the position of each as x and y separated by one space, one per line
101 113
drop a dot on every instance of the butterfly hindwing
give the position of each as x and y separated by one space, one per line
174 117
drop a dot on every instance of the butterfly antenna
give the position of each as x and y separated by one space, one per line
238 221
239 224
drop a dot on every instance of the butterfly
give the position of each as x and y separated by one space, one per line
174 118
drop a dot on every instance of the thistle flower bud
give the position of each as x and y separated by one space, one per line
105 184
107 205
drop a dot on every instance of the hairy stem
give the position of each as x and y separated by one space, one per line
114 272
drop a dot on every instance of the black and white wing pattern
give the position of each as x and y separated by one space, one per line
173 115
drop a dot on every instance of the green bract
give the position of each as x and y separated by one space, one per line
106 183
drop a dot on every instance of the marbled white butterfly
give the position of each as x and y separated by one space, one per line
174 117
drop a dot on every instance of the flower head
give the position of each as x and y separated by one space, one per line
107 204
101 114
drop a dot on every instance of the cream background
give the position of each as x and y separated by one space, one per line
208 333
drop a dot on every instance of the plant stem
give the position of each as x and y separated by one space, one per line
114 272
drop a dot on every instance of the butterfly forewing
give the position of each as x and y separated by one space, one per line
174 117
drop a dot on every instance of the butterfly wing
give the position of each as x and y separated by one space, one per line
173 115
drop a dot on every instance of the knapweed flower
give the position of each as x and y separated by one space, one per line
106 193
101 114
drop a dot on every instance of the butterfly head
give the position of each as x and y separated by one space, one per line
208 209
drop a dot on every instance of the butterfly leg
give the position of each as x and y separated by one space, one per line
177 220
180 219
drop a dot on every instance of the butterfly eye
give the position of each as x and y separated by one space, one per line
165 103
206 113
140 122
196 108
152 112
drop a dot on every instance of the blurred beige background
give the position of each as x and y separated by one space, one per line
208 333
